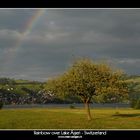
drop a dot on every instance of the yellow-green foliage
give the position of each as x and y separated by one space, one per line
87 78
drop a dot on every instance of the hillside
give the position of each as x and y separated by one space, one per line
27 92
17 86
18 91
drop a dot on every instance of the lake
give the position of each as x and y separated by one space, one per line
93 105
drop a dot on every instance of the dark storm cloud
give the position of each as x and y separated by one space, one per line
15 19
61 35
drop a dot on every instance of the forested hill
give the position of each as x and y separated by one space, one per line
4 80
13 91
20 91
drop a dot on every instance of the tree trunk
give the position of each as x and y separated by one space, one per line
88 111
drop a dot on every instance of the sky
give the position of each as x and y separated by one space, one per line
37 44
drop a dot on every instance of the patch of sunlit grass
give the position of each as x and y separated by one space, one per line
69 119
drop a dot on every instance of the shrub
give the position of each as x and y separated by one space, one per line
137 106
72 107
135 103
1 105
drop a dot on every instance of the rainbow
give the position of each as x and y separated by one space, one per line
32 21
11 53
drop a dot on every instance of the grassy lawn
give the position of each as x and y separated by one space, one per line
69 119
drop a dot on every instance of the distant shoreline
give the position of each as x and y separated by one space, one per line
94 105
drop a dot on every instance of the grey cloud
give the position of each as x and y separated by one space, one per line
129 65
15 19
61 35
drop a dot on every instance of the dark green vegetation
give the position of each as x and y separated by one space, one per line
69 119
134 91
135 103
1 105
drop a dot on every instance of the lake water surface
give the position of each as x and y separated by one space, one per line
93 105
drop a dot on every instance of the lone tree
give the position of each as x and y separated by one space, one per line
88 80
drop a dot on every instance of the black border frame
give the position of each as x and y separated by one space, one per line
68 4
23 134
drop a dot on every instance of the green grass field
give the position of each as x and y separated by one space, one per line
69 119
